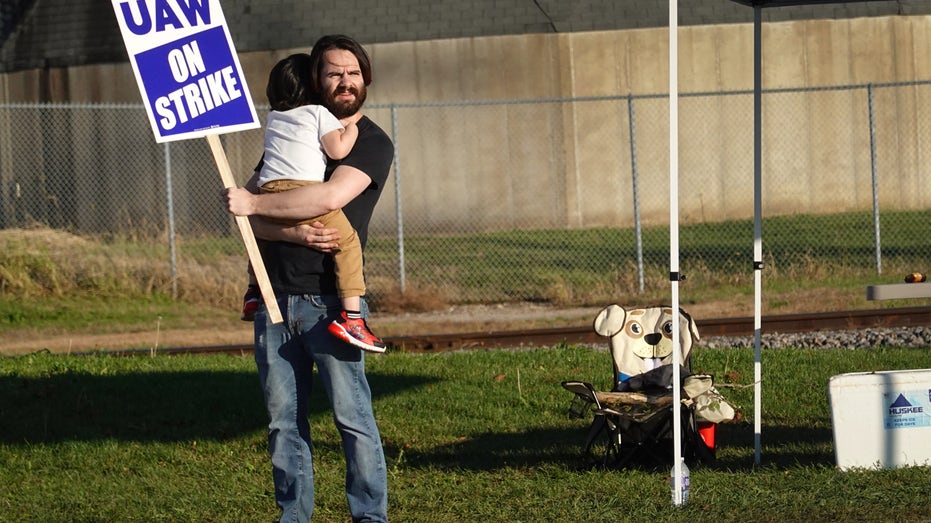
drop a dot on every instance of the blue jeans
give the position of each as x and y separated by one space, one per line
285 354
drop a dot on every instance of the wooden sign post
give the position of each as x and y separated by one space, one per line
245 229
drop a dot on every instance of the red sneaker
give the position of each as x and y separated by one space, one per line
356 332
250 303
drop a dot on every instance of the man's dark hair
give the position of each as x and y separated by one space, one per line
330 42
288 83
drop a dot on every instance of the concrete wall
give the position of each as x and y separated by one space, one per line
560 164
796 54
48 34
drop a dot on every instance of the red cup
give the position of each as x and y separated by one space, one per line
706 431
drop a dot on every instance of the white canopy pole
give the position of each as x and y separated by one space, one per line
757 228
674 243
758 6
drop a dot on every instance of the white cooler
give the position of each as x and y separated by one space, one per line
881 419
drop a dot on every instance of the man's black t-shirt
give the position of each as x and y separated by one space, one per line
295 269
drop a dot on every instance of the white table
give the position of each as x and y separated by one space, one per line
898 291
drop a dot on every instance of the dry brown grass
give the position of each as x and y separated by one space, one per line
390 300
41 262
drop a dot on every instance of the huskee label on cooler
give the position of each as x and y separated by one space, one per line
881 419
910 409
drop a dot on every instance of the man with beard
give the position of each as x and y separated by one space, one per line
300 136
302 276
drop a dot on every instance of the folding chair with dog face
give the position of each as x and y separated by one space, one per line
633 423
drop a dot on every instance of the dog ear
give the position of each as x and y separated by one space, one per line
610 320
693 328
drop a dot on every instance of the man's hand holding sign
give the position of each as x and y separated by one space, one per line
192 85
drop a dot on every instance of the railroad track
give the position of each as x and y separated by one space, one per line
787 323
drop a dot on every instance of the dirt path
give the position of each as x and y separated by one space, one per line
453 319
471 318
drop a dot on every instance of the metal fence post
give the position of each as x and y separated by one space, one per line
399 214
877 244
169 201
636 192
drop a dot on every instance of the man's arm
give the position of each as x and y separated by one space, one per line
314 235
345 184
303 202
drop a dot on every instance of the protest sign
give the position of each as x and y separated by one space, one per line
186 67
192 86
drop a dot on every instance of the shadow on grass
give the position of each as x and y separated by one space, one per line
151 406
781 446
784 448
220 405
497 450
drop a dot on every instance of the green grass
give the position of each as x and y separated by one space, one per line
83 310
83 315
472 436
591 265
56 281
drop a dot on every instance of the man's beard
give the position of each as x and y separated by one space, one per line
341 108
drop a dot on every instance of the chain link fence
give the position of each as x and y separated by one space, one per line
521 199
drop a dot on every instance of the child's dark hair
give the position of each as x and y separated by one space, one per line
289 83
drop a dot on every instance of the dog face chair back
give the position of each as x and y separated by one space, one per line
634 422
641 339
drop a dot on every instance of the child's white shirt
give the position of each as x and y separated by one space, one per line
293 150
